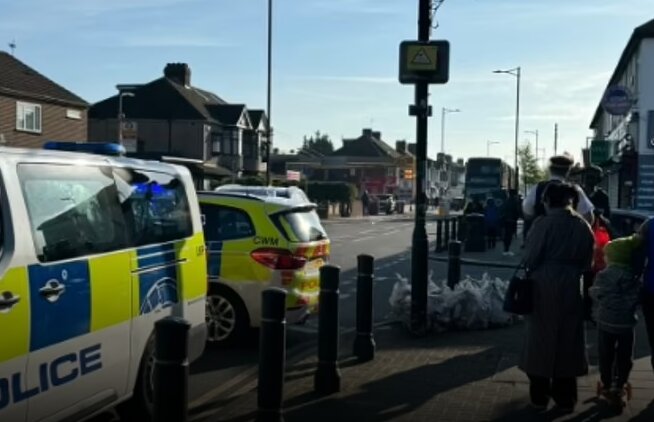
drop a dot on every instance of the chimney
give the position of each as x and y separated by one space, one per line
367 132
413 148
400 146
376 135
179 73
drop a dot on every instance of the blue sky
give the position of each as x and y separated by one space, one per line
335 61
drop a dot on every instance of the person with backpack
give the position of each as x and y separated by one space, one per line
559 169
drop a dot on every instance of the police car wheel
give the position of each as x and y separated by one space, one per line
226 316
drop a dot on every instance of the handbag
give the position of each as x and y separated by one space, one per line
519 298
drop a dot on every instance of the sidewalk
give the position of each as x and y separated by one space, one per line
462 376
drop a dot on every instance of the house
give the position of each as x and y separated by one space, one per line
367 162
172 117
34 109
623 141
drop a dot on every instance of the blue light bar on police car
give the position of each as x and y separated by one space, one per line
100 148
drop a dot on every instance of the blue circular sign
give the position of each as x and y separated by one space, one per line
617 100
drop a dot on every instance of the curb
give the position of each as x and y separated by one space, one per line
242 384
477 262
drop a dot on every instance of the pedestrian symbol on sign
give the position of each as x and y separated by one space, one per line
421 58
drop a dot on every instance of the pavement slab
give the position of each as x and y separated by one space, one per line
453 376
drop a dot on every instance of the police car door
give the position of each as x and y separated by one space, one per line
79 290
14 323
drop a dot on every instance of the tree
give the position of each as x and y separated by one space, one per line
529 170
319 142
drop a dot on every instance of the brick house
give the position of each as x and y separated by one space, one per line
173 117
367 162
34 109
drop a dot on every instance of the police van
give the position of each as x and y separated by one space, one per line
93 251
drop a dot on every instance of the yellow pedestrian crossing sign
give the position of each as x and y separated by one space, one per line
424 62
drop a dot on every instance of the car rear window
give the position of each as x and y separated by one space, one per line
301 226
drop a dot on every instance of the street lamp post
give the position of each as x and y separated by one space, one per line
269 134
517 73
121 115
534 132
488 144
444 111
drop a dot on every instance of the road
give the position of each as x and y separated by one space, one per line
388 239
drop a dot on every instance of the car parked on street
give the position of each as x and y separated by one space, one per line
626 222
386 203
256 240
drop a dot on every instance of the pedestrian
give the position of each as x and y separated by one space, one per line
559 169
615 294
491 223
559 249
509 215
365 202
602 234
645 261
600 200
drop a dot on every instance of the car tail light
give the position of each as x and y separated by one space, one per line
278 259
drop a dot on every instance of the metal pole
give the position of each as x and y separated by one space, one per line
272 355
443 130
537 159
439 235
517 122
171 370
269 94
556 138
454 263
327 379
364 343
419 255
120 118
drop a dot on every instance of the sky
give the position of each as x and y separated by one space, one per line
335 62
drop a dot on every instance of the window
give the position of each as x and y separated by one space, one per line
155 206
390 172
224 223
28 117
73 114
74 210
215 143
301 226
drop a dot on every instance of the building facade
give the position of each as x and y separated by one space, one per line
171 116
623 145
34 109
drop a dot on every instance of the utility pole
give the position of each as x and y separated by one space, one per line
420 250
269 132
556 137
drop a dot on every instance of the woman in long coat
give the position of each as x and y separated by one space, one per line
559 249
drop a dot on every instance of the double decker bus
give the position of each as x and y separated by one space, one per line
488 178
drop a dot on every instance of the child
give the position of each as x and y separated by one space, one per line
615 294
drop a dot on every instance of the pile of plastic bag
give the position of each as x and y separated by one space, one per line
471 305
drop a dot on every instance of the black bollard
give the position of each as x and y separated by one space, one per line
272 355
455 222
364 343
328 375
446 232
439 235
454 264
170 396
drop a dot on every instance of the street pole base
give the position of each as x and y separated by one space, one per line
269 415
364 347
328 378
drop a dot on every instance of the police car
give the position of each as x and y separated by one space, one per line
94 250
259 237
